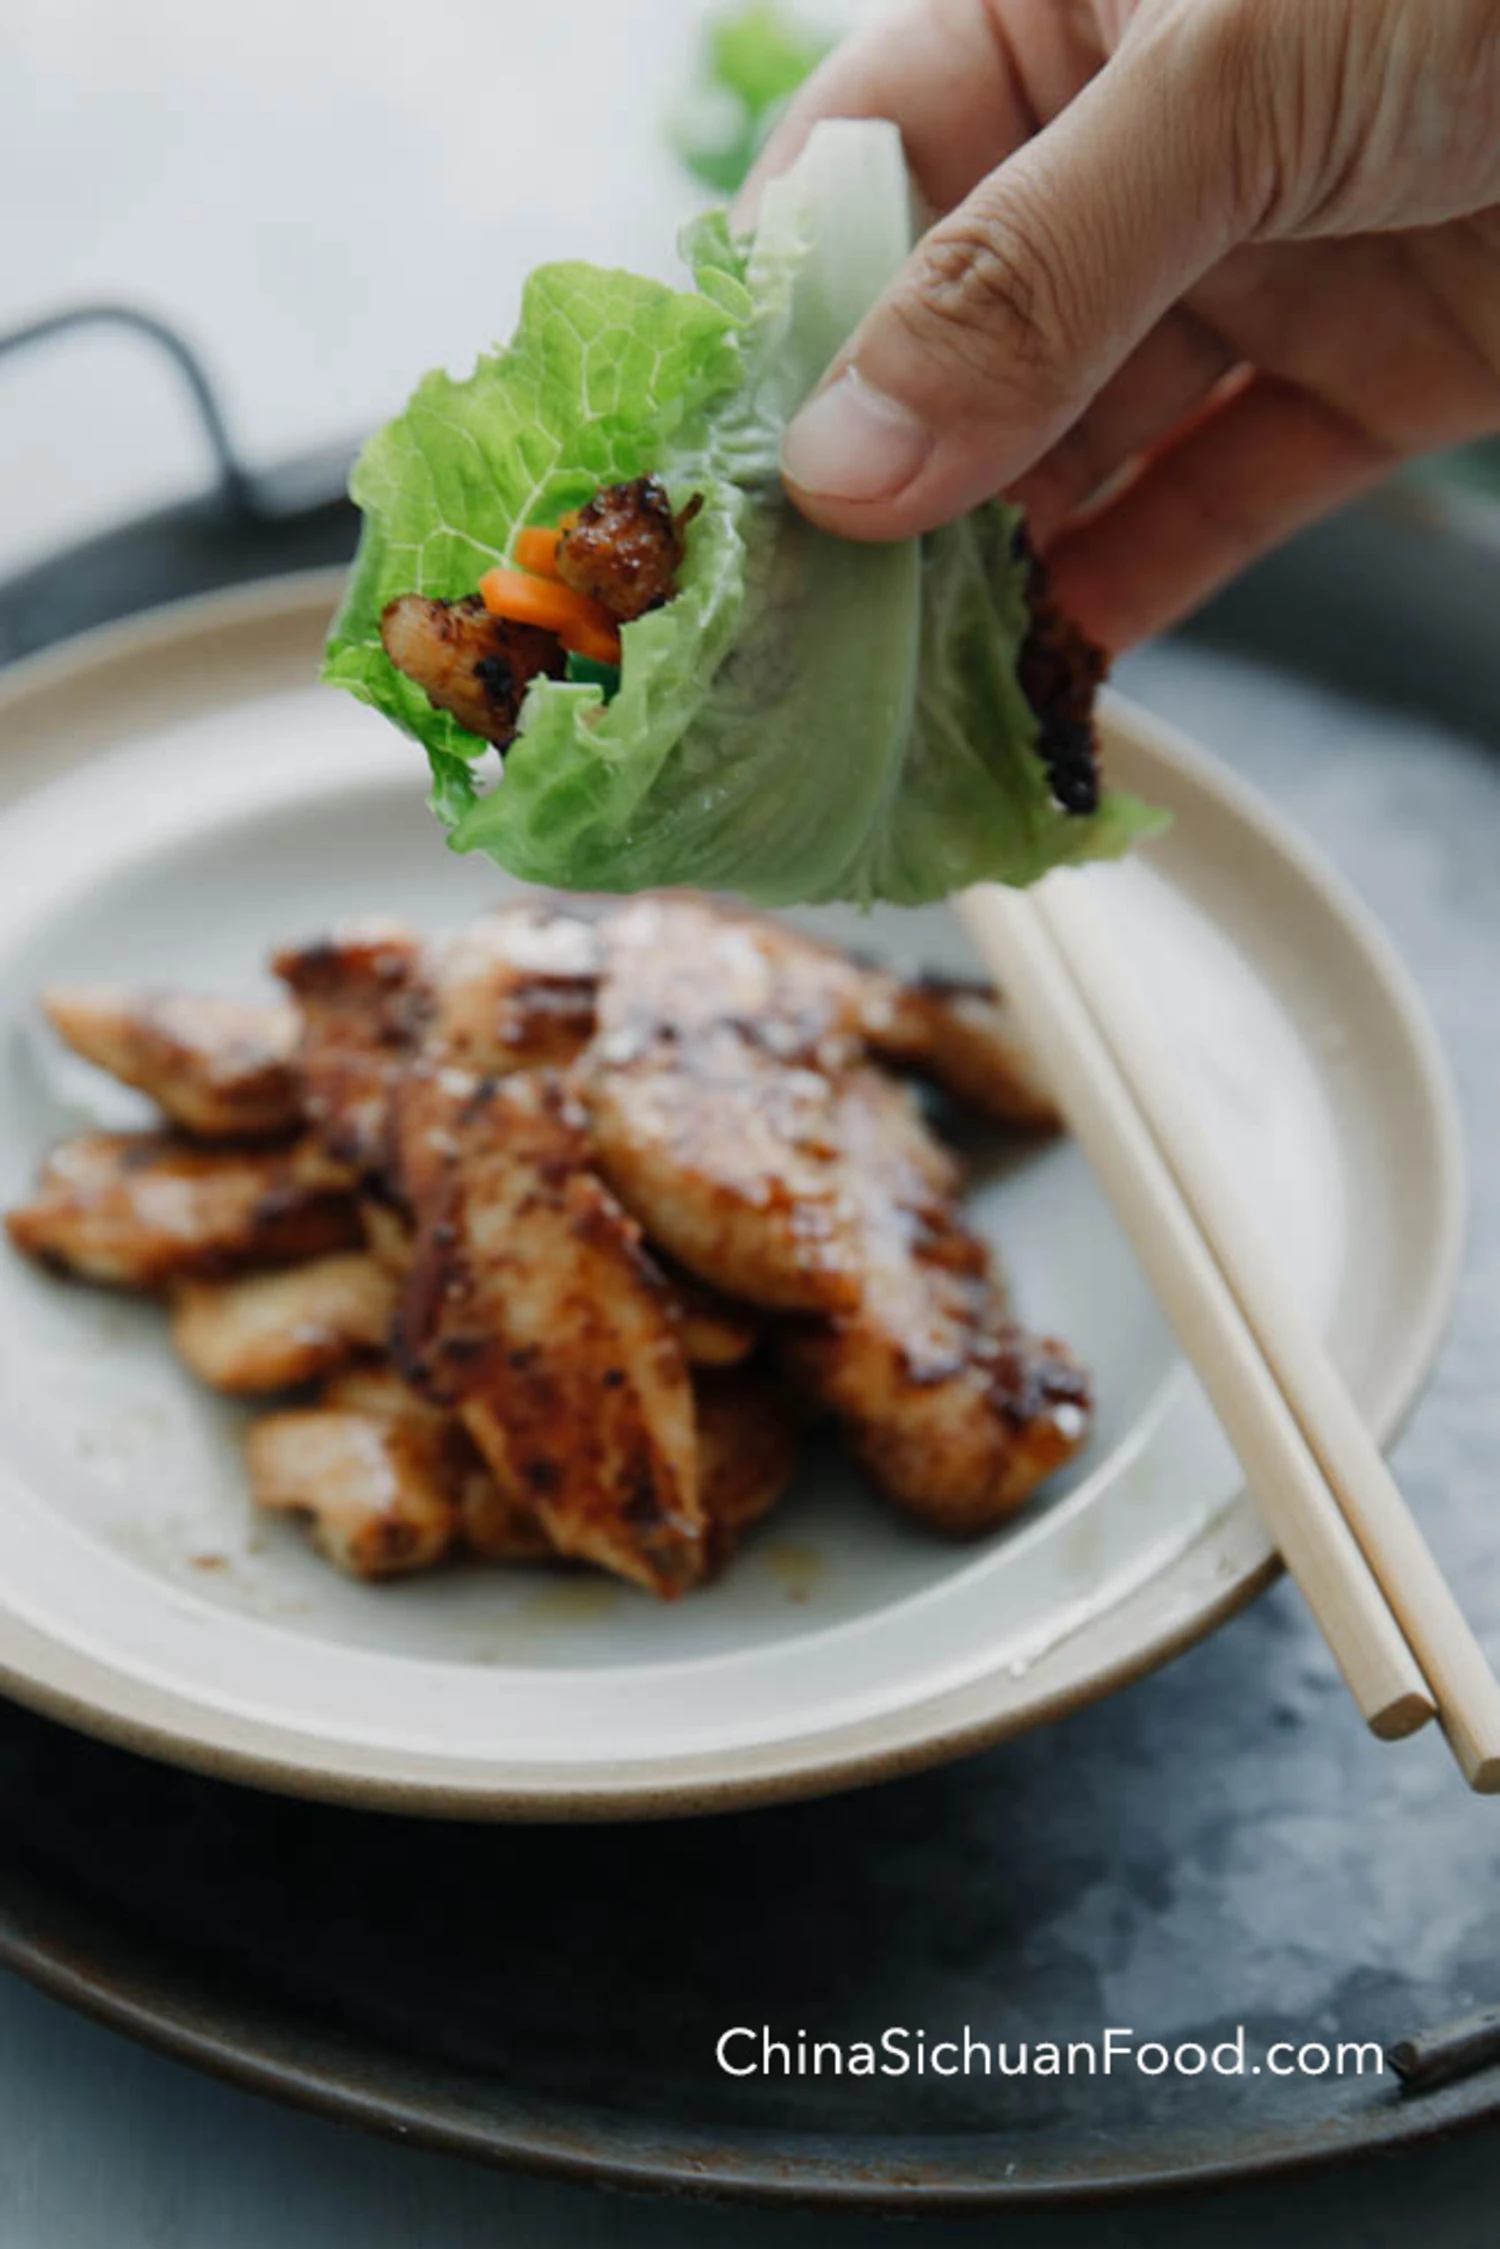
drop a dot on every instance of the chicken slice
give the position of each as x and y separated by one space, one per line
375 1490
358 996
748 1435
373 1386
269 1331
713 1110
513 990
492 1524
715 1331
747 1430
388 1235
495 1522
681 957
468 662
961 1035
730 1163
964 1038
817 1003
1059 670
534 1312
219 1068
139 1209
956 1413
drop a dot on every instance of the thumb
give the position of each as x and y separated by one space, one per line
1015 309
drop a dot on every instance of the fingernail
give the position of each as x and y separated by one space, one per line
852 442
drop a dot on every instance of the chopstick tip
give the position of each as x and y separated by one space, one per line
1405 1716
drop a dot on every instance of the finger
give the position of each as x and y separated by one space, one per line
1165 379
1014 311
1249 473
943 73
1389 326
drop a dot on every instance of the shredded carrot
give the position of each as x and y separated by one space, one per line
536 549
580 624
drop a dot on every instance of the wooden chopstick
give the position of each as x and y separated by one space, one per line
1437 2057
1468 1695
1319 1548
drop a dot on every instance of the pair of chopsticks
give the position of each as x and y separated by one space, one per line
1344 1530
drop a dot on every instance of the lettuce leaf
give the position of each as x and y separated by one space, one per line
605 372
808 718
752 59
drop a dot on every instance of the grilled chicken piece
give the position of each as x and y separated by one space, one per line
533 1311
270 1331
713 1085
513 990
468 662
625 546
747 1431
730 1162
690 962
373 1386
140 1208
748 1434
358 994
961 1036
388 1236
492 1524
375 1490
819 1004
713 1115
390 1485
1059 670
220 1068
495 1523
715 1331
956 1413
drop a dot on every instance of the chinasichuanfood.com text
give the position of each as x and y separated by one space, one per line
899 2050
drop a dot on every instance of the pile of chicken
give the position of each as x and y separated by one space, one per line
574 1218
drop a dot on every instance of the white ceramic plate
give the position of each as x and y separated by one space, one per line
194 796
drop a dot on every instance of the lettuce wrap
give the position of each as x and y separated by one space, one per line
807 718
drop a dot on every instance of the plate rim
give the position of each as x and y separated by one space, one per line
813 1763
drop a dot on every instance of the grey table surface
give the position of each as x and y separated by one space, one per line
103 2146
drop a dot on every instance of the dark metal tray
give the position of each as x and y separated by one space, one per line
1218 1844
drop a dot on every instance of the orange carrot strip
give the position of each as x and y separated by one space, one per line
536 549
579 623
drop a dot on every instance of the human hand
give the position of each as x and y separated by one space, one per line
1204 269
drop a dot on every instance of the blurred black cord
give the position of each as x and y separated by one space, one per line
234 490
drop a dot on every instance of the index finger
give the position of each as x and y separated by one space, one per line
944 74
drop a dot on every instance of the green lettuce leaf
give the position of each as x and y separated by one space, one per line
809 718
752 59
